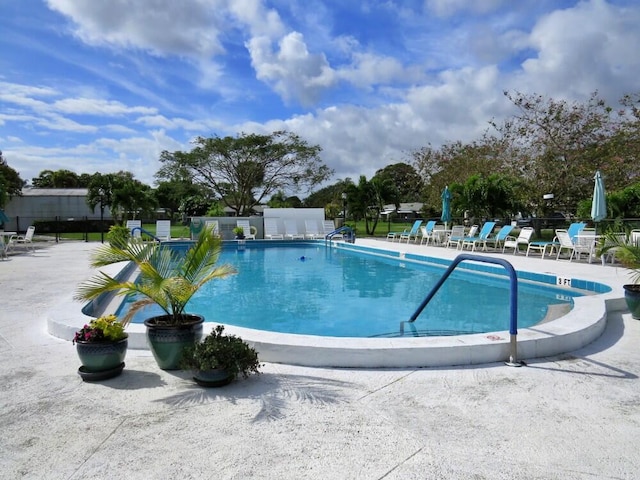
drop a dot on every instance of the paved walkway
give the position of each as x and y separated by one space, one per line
570 417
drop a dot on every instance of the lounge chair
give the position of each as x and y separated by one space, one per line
271 229
163 230
213 226
25 240
426 231
564 242
329 227
584 243
291 230
311 230
246 228
456 236
542 246
498 240
412 233
575 229
485 232
137 225
522 239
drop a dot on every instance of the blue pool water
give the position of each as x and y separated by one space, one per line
314 290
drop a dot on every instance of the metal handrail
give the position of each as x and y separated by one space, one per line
142 230
350 238
513 300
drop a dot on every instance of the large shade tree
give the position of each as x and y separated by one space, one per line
121 193
246 170
10 182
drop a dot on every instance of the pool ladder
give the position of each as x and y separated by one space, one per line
347 233
513 299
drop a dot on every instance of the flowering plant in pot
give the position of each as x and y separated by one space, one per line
628 253
167 278
218 359
101 346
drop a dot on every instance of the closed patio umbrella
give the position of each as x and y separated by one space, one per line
3 217
599 201
446 207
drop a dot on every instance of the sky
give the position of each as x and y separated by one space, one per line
107 85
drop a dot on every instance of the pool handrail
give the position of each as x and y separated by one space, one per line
513 298
146 232
350 236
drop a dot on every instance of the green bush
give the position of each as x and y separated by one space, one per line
118 236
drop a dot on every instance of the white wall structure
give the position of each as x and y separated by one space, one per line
49 203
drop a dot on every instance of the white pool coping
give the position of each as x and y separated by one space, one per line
582 325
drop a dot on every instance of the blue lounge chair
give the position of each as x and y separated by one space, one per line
413 233
485 232
499 238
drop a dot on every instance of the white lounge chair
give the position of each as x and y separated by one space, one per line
456 236
426 231
311 230
246 228
291 230
213 226
137 225
163 230
522 239
25 240
271 229
329 227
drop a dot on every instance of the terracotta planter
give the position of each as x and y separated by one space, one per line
167 342
632 297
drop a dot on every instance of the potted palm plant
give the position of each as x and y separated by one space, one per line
101 346
167 278
628 253
219 359
239 233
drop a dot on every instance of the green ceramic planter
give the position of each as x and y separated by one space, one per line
632 297
167 342
217 377
101 356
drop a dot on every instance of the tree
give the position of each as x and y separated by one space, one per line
183 196
121 193
10 182
561 144
405 179
367 199
57 179
243 171
490 197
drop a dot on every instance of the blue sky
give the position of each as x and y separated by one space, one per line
106 85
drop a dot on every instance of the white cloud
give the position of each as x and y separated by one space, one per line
292 71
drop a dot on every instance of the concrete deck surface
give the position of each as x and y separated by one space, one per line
576 416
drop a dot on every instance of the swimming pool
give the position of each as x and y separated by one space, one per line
309 289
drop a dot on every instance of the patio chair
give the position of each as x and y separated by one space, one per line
137 225
564 242
584 243
163 230
213 226
329 227
498 240
291 230
246 228
614 239
485 232
523 238
271 229
311 230
411 233
426 232
25 240
456 236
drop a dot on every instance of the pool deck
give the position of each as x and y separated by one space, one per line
569 416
